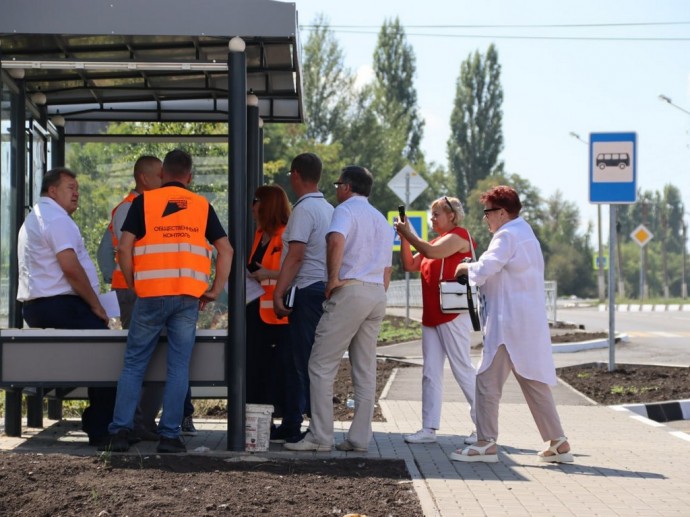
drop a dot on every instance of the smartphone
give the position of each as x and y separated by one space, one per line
401 213
253 267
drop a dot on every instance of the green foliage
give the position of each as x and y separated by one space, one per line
395 94
476 134
328 84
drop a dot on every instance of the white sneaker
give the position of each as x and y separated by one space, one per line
471 439
421 436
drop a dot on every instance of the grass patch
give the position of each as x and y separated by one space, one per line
394 329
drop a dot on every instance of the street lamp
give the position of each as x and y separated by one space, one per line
669 101
600 259
684 285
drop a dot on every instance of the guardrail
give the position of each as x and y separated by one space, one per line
397 295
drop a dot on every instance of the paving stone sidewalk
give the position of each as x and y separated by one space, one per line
624 464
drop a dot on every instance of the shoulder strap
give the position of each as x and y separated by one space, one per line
474 257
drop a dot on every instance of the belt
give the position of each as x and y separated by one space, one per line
37 300
359 282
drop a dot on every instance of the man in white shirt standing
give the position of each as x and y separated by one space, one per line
359 265
58 283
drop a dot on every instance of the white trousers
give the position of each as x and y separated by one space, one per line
351 321
451 340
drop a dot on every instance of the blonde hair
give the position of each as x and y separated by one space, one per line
450 205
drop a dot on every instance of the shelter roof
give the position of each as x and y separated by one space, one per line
152 60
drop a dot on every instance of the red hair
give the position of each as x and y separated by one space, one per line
274 208
503 197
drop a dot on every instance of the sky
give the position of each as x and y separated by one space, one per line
553 85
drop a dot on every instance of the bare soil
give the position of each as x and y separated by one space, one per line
177 486
628 384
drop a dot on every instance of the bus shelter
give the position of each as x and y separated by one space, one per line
69 68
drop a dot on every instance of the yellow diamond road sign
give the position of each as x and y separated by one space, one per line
641 235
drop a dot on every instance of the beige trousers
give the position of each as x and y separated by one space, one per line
351 321
537 394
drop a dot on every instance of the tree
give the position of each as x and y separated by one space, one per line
476 135
328 84
396 96
568 256
532 210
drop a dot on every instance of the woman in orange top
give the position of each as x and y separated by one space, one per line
265 331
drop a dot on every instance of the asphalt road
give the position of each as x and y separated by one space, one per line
655 337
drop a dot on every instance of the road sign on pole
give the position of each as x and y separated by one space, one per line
613 168
641 235
407 184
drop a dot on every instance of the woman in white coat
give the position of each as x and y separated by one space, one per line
510 275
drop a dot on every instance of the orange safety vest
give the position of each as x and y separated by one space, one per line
118 281
173 257
271 260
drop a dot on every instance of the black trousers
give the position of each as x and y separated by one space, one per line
72 312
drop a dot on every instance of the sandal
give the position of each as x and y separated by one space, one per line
464 454
555 456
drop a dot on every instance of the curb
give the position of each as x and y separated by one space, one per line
587 345
660 411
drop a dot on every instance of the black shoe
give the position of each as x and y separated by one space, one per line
171 445
282 434
118 442
145 435
97 441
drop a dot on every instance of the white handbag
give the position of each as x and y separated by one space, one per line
454 297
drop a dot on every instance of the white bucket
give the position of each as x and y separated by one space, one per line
258 427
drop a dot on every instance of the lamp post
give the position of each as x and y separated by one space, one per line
668 100
684 285
600 259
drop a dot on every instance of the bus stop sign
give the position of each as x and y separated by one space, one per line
613 168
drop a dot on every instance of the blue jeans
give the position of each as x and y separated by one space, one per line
295 355
178 315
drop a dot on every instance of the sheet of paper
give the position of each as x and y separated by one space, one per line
109 303
254 289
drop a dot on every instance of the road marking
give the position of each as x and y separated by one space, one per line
635 333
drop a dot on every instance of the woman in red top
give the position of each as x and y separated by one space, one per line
443 335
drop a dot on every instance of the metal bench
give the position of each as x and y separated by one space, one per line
53 362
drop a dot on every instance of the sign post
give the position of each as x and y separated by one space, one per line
641 235
407 185
613 180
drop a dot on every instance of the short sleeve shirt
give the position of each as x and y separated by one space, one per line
368 240
47 231
308 224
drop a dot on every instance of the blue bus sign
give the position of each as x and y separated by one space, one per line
613 168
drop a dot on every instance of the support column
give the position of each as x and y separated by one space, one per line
17 188
13 412
261 151
252 159
235 366
34 409
57 150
